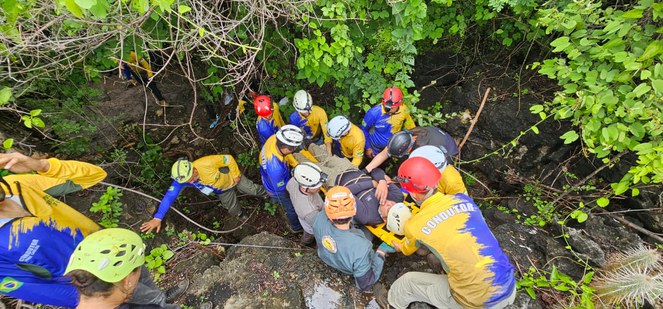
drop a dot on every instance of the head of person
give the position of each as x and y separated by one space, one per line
263 106
107 264
338 127
400 144
183 171
309 177
303 103
392 99
340 205
397 216
418 177
288 138
433 154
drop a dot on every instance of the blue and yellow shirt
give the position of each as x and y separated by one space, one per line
351 146
452 227
268 127
315 125
138 65
275 168
216 175
35 250
379 126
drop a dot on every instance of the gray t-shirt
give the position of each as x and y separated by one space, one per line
306 206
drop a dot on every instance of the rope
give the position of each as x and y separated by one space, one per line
259 246
180 213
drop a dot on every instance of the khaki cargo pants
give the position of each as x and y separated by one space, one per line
429 288
229 198
330 165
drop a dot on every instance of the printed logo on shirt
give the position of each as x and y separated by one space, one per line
447 214
329 243
171 188
225 159
32 249
9 284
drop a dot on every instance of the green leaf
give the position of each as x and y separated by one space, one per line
635 13
201 31
535 109
535 130
634 192
8 143
85 4
168 254
5 95
653 49
35 112
582 217
28 123
569 137
183 9
161 269
602 202
644 148
656 83
560 44
37 122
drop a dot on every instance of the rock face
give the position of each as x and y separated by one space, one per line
252 277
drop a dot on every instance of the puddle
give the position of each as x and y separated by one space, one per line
323 297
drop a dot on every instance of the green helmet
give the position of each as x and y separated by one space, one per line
110 254
182 170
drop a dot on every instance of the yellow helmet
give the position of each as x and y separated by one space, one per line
182 170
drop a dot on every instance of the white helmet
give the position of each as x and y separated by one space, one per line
290 135
338 127
398 215
309 175
302 101
433 154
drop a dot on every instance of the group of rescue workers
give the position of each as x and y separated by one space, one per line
52 254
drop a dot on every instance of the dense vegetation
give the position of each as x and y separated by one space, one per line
605 57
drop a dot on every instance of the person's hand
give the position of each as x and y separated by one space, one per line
148 226
397 246
381 191
388 179
369 153
384 248
20 163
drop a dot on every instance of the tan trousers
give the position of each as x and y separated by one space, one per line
330 165
229 198
429 288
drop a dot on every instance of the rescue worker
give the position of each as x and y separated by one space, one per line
344 247
349 140
312 119
478 273
382 121
269 118
215 174
304 190
137 70
275 162
451 181
107 268
38 232
402 143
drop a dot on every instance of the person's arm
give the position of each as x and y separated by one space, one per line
146 66
168 199
53 292
278 119
451 181
366 125
358 148
368 269
377 160
323 126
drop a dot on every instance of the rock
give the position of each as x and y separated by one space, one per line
252 277
198 263
523 301
649 200
585 246
610 233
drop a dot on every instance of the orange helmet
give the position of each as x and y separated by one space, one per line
263 106
340 203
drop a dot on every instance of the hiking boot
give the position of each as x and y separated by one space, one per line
434 263
132 83
307 239
300 230
175 292
206 305
381 295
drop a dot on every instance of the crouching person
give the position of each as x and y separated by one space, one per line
304 191
344 247
107 270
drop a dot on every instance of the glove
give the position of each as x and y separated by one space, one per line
386 248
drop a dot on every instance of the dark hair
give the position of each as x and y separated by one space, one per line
341 221
280 144
90 285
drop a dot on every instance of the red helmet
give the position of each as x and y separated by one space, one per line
263 106
418 175
392 97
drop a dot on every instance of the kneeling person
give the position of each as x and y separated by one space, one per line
342 246
218 174
304 191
